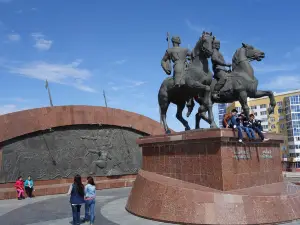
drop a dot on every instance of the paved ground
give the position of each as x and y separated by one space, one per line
55 210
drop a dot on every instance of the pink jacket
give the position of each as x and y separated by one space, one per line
19 185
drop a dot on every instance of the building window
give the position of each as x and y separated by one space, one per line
295 99
273 127
238 109
280 111
263 113
255 114
265 127
295 108
272 119
281 126
291 139
295 116
253 107
263 106
264 120
279 104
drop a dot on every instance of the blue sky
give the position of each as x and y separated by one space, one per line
85 47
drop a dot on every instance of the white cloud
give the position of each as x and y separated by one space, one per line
67 74
34 9
15 99
19 11
4 109
40 42
283 83
14 37
126 84
275 68
120 62
292 53
194 27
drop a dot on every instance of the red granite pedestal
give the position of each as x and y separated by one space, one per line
207 177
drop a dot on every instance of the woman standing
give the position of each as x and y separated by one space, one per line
29 186
76 191
19 185
90 195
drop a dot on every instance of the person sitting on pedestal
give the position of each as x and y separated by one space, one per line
246 126
228 118
256 126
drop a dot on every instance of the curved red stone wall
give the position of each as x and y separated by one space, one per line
24 122
20 123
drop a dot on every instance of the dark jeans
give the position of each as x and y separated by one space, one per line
232 121
249 131
29 191
90 210
76 214
260 127
258 131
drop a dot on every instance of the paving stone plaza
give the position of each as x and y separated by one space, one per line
55 210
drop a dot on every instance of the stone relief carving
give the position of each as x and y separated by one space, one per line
72 150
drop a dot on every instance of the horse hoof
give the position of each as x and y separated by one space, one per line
188 114
187 128
168 132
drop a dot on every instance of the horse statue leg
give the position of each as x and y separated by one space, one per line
180 108
163 115
260 93
164 102
210 113
201 114
243 101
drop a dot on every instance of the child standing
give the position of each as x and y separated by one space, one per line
90 196
19 185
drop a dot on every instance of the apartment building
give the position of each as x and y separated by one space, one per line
221 111
285 120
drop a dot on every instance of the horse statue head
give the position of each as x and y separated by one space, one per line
204 46
246 53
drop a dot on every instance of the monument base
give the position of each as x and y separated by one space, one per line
167 199
207 177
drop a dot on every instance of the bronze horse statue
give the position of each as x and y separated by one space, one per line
196 81
241 84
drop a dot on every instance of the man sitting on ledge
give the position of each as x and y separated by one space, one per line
256 126
228 118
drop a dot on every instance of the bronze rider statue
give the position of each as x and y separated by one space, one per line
220 73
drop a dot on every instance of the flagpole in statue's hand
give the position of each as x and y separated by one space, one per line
168 40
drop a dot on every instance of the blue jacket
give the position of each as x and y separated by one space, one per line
75 197
90 191
28 183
